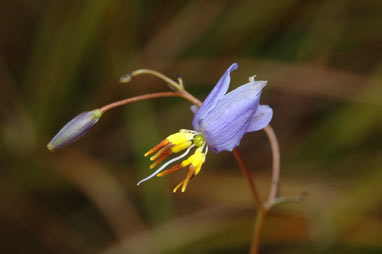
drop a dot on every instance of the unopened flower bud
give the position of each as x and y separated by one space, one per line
75 129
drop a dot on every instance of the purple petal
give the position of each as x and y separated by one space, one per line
75 129
225 125
215 95
261 119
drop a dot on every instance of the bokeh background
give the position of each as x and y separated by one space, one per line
59 58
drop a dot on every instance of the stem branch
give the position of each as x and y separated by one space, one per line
126 78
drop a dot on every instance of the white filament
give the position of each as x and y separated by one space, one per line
165 165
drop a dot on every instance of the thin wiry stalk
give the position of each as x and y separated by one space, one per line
139 98
126 78
275 184
247 175
261 210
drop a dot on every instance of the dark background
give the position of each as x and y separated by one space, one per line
59 58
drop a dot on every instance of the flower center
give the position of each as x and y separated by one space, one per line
182 140
199 140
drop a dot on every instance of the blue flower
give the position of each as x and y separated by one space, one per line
219 124
224 119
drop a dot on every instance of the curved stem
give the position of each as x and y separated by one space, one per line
191 98
275 184
139 98
126 78
173 84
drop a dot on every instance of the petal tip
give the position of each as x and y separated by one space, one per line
233 67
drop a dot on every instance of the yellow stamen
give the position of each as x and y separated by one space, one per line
160 159
188 161
174 168
161 151
197 170
179 137
190 174
181 146
157 147
184 139
178 186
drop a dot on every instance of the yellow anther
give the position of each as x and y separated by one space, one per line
174 168
179 137
184 139
199 157
197 170
181 146
160 152
160 159
189 175
196 160
178 186
185 182
157 147
188 161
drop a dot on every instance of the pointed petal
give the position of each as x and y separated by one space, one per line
261 119
215 95
229 121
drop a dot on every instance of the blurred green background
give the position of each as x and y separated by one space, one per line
59 58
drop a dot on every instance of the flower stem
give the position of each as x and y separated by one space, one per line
247 175
191 98
139 98
261 210
173 84
275 184
256 237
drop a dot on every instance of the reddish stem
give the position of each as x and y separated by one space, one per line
262 211
139 98
258 230
275 184
247 175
